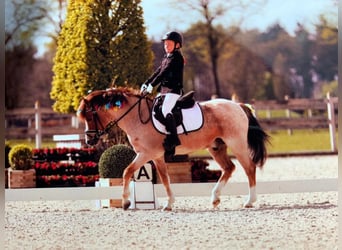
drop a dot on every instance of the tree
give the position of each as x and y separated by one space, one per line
131 51
281 54
19 61
39 82
23 19
27 77
326 50
102 42
55 21
304 61
197 73
213 41
280 77
242 72
211 11
70 80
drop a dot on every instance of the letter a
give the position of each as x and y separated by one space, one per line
143 172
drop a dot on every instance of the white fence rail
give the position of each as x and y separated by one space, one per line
44 122
180 189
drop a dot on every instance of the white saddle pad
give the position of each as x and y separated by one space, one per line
192 120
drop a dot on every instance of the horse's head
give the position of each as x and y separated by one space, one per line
94 108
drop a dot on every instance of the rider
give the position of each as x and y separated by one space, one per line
169 76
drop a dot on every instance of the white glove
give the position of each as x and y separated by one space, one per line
149 89
143 88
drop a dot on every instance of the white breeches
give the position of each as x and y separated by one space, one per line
169 102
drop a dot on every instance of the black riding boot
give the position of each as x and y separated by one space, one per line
171 140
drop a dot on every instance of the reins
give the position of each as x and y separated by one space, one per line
114 122
148 107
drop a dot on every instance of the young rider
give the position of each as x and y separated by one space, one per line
169 76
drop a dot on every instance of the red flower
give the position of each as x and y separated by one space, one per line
53 165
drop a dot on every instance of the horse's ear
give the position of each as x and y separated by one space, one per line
85 100
81 107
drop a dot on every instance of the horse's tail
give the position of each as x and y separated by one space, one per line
257 137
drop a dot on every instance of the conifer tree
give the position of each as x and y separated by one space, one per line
101 42
129 46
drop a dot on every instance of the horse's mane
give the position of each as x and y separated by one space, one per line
116 91
108 98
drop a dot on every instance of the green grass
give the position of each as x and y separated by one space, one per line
299 141
280 142
275 113
279 113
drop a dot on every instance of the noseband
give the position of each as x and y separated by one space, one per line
94 135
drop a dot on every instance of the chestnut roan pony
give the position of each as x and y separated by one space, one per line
227 124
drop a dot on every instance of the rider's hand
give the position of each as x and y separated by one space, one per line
149 89
146 89
143 88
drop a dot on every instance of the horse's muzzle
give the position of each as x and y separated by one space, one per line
92 137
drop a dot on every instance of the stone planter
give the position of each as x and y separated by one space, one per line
21 178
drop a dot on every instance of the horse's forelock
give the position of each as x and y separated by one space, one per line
122 91
94 94
102 97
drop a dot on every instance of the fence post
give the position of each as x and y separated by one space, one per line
74 122
288 114
38 119
332 122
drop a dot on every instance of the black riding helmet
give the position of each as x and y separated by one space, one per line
174 36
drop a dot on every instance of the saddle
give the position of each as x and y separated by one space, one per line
186 107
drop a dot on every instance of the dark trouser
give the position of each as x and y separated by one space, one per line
171 140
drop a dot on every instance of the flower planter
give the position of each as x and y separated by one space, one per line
21 178
109 182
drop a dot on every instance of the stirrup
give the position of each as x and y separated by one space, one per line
169 156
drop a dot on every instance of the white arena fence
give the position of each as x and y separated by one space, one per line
200 189
180 189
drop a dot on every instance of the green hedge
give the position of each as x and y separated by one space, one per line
114 160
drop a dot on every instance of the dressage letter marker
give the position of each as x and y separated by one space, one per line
144 195
144 173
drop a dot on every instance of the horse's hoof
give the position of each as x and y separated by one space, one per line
216 203
126 204
247 205
167 209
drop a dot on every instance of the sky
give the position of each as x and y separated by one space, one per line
161 16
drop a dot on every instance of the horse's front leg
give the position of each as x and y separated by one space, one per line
127 175
165 178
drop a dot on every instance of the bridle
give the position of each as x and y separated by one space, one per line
93 135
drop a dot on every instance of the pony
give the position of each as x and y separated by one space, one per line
227 124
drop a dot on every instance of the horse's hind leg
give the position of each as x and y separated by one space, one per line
250 170
252 197
165 178
219 154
